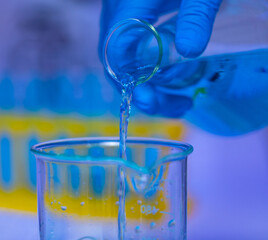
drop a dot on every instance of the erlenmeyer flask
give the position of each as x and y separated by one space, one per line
228 83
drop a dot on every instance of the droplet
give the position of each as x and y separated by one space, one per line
171 223
139 202
152 224
119 193
63 208
137 229
82 203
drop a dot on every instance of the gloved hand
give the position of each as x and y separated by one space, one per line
193 29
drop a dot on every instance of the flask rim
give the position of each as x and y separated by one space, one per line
143 24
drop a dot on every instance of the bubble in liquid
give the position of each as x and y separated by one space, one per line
119 193
117 203
90 198
63 208
171 223
59 203
51 203
132 208
139 202
137 229
82 203
152 224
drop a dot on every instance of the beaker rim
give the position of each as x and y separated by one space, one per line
37 149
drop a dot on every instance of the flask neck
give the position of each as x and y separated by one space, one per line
132 51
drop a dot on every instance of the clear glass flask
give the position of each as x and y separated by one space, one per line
228 83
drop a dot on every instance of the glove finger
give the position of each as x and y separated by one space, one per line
147 99
173 106
194 26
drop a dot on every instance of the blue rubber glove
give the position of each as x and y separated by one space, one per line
194 25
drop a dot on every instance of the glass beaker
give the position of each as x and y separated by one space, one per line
78 194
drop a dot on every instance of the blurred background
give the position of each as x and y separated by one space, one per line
52 86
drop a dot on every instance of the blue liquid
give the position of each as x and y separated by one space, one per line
125 109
